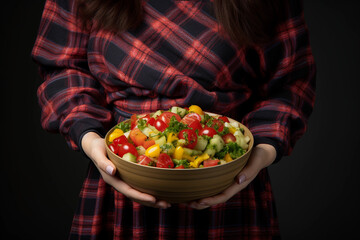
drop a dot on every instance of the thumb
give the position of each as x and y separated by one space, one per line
249 172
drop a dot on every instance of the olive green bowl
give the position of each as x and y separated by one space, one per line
180 185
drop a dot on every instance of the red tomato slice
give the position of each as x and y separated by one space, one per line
120 140
225 119
208 131
180 167
114 148
192 120
211 162
137 137
190 136
160 125
195 125
193 115
146 117
144 160
229 137
127 148
164 161
151 121
217 125
166 116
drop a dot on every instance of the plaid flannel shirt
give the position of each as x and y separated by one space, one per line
176 57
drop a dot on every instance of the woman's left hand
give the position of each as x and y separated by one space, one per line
262 156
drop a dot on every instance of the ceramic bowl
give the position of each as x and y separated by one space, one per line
180 185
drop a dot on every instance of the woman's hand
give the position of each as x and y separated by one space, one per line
262 156
94 147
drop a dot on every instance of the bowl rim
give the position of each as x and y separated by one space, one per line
251 144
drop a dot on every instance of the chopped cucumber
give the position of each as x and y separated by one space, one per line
168 148
178 110
222 162
191 152
157 113
210 151
141 150
242 141
129 157
180 142
147 131
201 143
238 133
161 141
127 134
217 142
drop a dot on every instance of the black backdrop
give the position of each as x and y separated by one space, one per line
316 188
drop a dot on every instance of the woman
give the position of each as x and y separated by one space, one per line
103 61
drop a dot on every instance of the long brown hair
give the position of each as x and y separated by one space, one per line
245 21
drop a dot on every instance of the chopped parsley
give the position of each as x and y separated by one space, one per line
124 126
175 126
233 149
141 124
181 162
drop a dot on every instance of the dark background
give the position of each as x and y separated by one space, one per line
316 188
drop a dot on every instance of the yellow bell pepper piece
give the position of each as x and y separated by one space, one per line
153 151
115 134
172 137
188 157
228 158
199 159
178 153
196 109
232 130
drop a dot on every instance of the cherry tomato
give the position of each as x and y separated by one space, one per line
211 162
151 121
192 115
195 125
208 131
160 125
166 116
217 125
127 148
190 136
225 119
120 140
114 148
146 117
229 137
164 161
144 160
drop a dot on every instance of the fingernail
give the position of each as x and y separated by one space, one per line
241 179
110 170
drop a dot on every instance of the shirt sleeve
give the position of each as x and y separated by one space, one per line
71 99
287 94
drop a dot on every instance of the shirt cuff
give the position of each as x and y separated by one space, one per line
83 126
273 142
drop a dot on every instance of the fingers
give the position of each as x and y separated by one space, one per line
94 147
100 159
261 157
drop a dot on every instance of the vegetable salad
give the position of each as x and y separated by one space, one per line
179 138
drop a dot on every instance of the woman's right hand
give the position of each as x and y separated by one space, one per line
94 147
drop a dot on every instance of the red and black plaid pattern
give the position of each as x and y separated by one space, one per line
176 57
